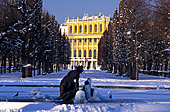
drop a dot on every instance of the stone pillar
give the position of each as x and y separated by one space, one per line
91 65
72 50
82 47
88 28
96 64
92 48
82 28
86 63
87 51
77 28
97 28
73 29
92 28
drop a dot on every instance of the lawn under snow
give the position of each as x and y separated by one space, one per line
156 97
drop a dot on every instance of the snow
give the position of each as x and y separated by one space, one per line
129 32
167 50
80 97
27 65
38 93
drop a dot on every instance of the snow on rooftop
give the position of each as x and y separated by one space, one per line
89 18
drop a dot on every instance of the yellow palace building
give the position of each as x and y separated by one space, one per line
84 35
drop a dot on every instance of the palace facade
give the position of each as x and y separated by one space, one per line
84 35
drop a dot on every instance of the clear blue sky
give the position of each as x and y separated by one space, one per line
64 8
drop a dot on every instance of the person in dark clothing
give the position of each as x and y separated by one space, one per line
70 85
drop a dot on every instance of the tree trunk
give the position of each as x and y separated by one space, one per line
39 68
4 64
114 68
149 66
34 67
56 68
23 58
10 63
23 72
133 71
136 68
120 69
111 67
27 70
166 65
52 68
44 67
14 63
144 65
1 66
18 66
130 69
124 68
31 67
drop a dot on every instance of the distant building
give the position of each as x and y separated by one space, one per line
84 35
63 29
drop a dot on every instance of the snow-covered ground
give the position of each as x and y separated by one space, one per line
149 93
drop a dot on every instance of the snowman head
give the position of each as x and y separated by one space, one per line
88 82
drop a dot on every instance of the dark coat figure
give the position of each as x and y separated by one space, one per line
70 84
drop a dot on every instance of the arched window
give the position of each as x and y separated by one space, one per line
70 29
75 29
100 27
95 28
74 53
85 27
90 40
74 40
90 28
95 40
80 28
84 53
79 53
90 53
79 40
94 54
85 40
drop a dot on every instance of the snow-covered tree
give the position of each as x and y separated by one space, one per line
122 39
115 32
161 32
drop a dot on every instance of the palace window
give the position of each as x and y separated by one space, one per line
95 28
90 28
79 53
90 40
75 29
74 40
70 40
70 29
90 53
79 40
95 40
80 28
85 28
84 53
100 27
85 40
94 54
74 53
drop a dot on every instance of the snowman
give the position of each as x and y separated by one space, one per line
90 94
